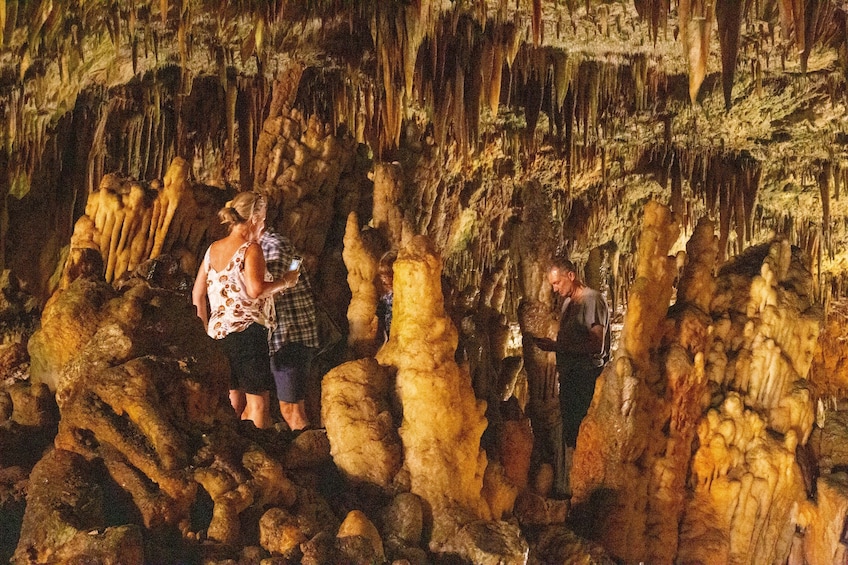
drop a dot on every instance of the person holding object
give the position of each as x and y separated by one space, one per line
582 344
230 295
295 340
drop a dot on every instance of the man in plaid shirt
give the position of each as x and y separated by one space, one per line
293 343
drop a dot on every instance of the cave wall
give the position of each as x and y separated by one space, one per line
592 105
504 132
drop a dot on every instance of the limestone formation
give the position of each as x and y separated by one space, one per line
142 397
355 406
361 278
502 132
131 223
442 420
735 375
302 167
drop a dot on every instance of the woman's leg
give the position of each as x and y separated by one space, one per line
237 401
258 409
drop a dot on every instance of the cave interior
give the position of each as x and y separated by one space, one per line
690 157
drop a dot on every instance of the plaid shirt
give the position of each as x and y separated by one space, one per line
296 310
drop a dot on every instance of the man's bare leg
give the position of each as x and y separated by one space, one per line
294 414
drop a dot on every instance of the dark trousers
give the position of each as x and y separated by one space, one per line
577 376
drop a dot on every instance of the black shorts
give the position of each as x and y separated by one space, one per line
290 366
247 352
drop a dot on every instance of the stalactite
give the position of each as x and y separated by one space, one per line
3 16
533 89
752 170
696 21
677 202
561 78
537 22
792 14
824 191
729 15
485 76
655 11
818 16
497 70
737 191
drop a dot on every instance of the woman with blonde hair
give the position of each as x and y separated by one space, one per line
234 280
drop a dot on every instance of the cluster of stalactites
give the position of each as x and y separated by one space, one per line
805 22
425 60
832 179
726 182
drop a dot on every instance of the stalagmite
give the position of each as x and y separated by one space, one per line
356 523
355 400
442 421
361 276
388 193
650 293
628 400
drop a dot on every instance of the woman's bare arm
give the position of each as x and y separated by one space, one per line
254 275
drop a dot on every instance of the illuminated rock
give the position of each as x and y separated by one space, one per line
442 420
355 399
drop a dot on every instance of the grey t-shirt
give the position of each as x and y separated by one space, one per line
578 316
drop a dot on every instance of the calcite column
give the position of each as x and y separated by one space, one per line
361 275
618 469
388 193
442 420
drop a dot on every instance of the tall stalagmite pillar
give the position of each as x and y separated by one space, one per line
622 439
442 420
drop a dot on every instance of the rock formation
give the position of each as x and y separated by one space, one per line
690 157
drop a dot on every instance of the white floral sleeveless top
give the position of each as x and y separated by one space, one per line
231 309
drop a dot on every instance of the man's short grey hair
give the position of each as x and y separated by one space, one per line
563 263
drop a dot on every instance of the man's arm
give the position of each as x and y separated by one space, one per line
276 258
584 341
595 339
198 295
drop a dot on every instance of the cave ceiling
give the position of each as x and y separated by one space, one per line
731 109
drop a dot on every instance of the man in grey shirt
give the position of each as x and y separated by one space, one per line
582 344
